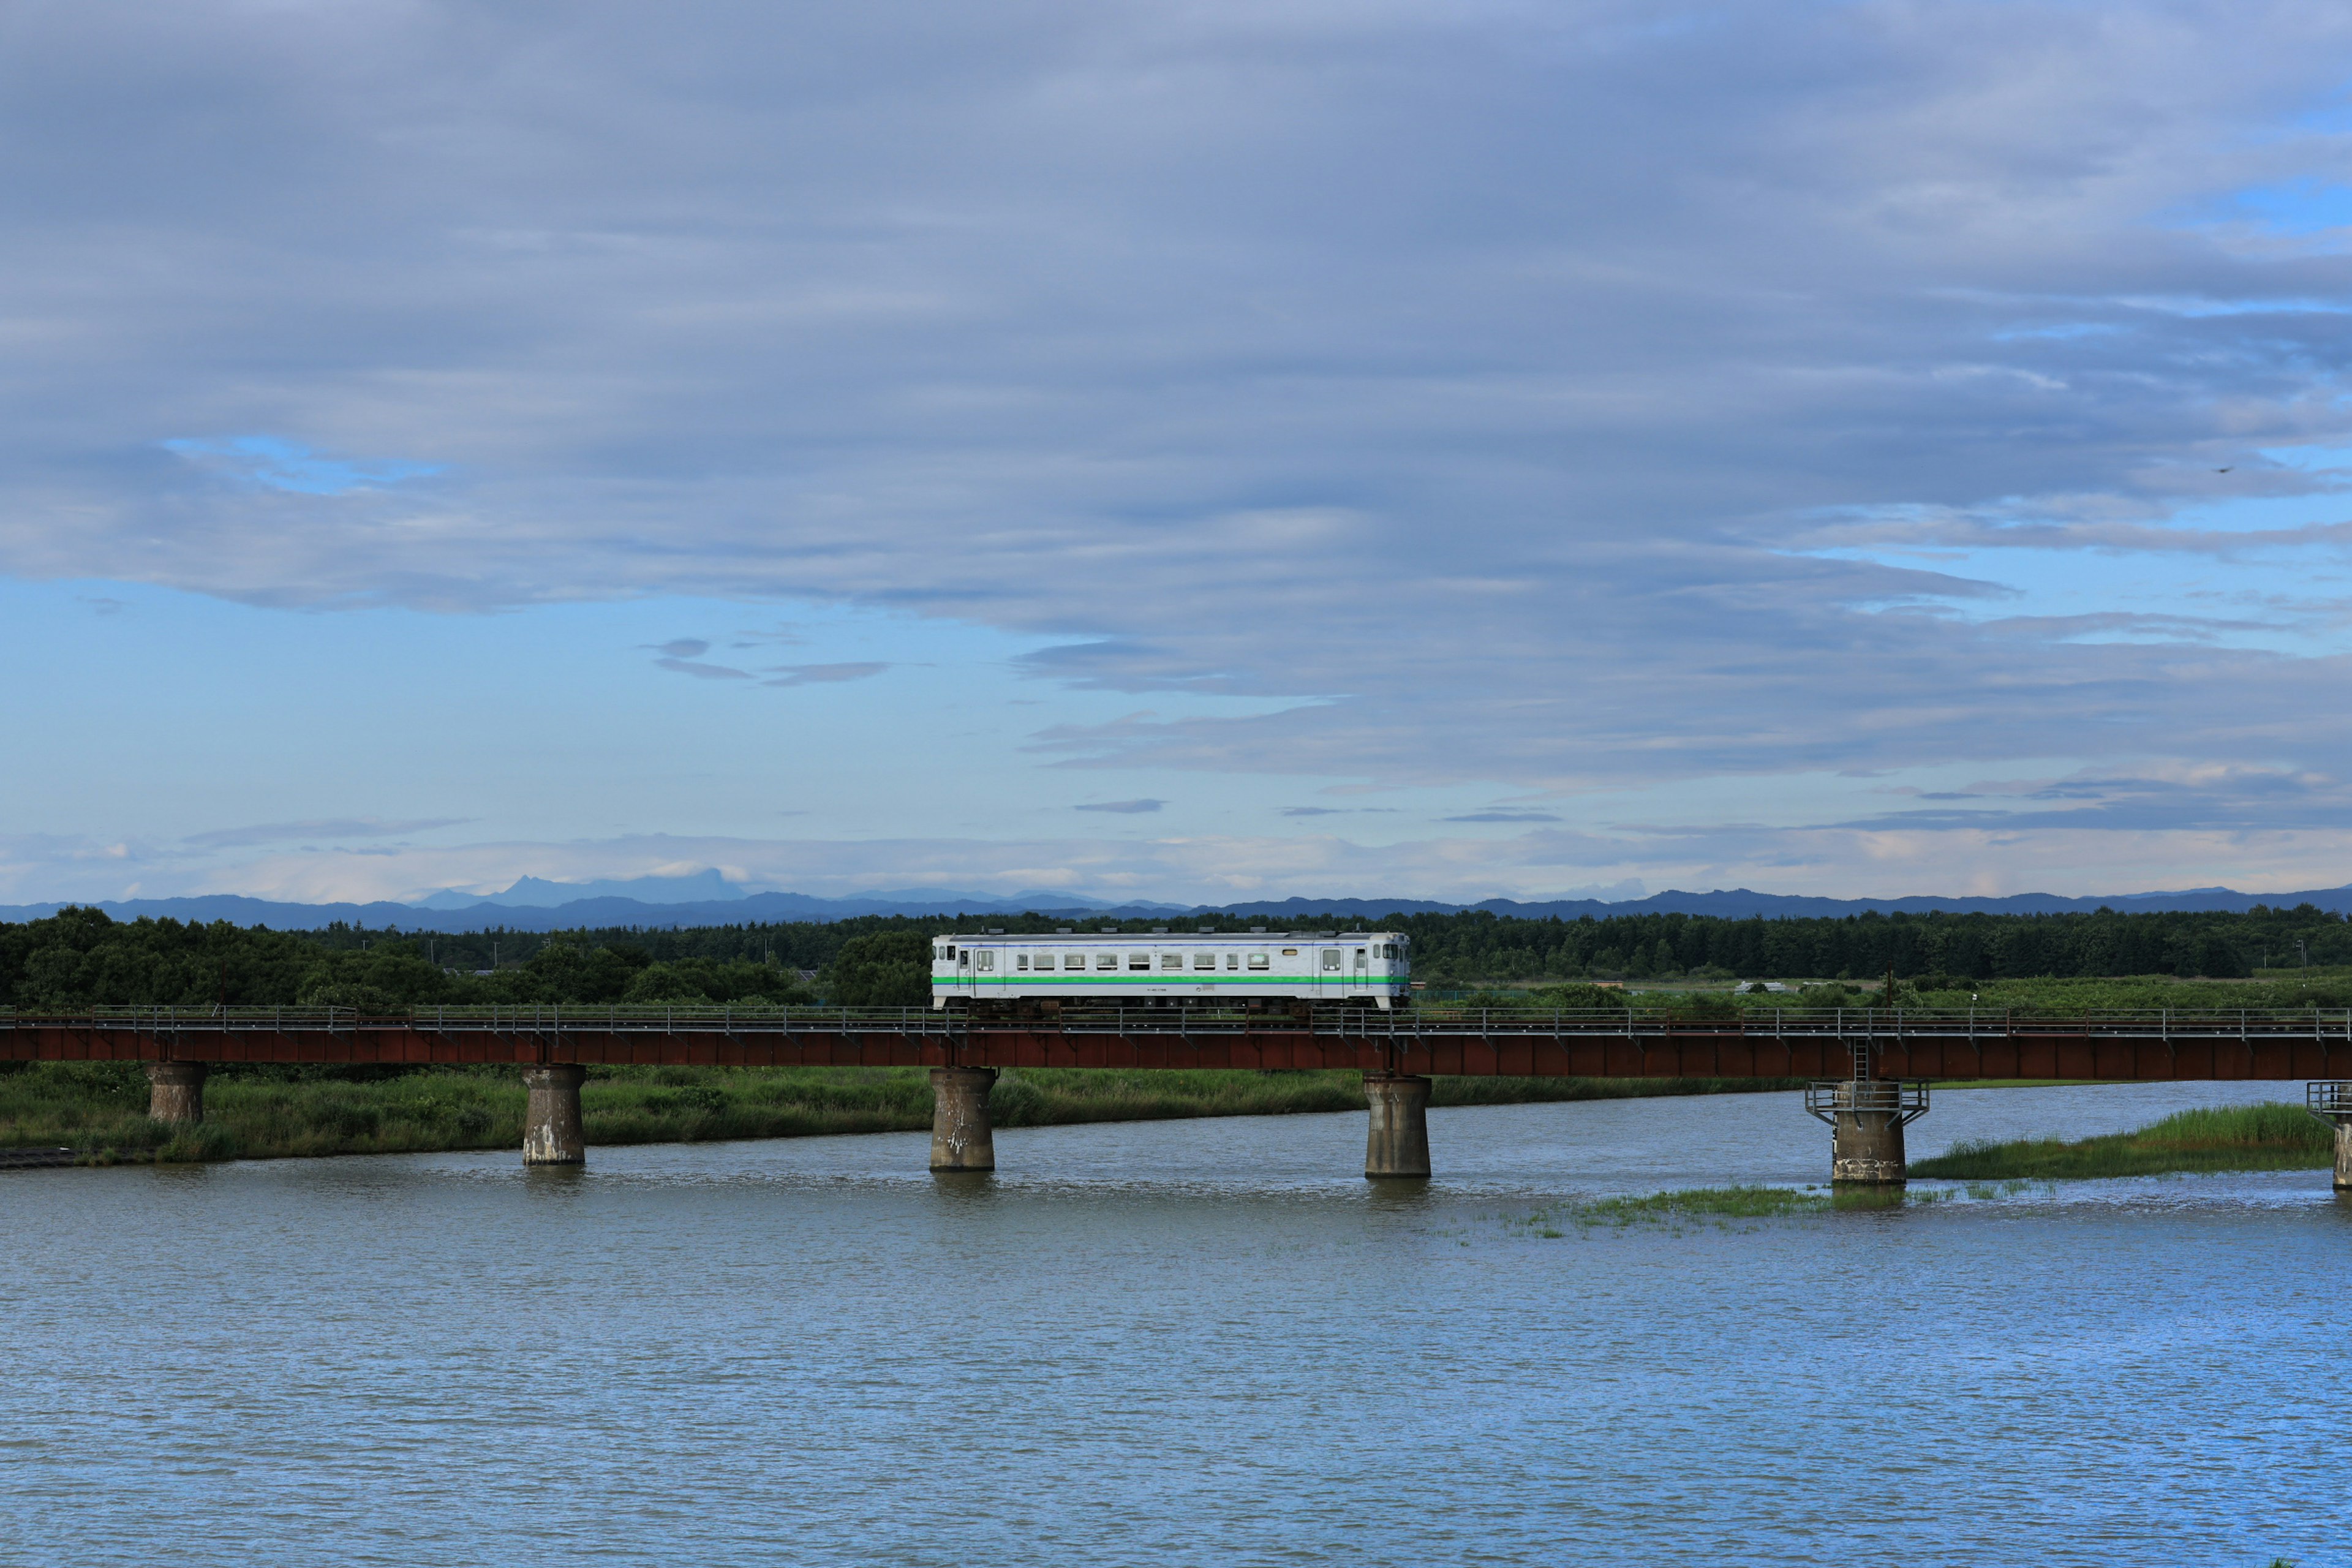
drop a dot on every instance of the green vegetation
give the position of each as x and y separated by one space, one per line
2069 997
1729 1203
1963 950
882 969
81 958
2235 1137
1716 1204
98 1108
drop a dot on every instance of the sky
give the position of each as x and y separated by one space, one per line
1188 451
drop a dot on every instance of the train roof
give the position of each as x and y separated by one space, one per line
1058 937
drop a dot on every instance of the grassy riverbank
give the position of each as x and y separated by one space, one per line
2234 1138
99 1108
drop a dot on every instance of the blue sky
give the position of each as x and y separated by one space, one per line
1433 450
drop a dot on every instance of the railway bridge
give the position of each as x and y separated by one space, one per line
1869 1070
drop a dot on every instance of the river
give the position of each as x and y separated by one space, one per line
1179 1342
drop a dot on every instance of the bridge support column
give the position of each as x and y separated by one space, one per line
552 1133
962 1136
1866 1143
1866 1118
1396 1144
2332 1103
175 1090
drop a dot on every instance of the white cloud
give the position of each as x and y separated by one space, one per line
1541 398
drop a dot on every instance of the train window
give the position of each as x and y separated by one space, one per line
1204 960
1171 961
1290 953
1073 961
950 949
1233 961
987 959
1388 951
1259 960
1330 958
1023 961
1138 961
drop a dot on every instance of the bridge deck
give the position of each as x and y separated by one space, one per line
1898 1043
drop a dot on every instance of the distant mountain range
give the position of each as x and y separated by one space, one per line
535 905
710 887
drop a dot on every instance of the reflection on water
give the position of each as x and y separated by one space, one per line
1205 1343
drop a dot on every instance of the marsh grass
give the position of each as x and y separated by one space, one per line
1674 1208
1720 1205
98 1108
1724 1202
2270 1137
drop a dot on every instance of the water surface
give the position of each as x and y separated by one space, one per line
1181 1342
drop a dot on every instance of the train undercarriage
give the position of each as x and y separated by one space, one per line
1267 1010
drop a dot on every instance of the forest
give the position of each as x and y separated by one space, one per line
81 958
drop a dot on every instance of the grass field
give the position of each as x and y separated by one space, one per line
99 1108
2235 1137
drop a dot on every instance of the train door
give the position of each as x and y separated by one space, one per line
1330 979
1362 979
962 969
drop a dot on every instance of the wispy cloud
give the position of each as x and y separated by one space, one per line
327 829
683 656
1123 807
703 671
823 674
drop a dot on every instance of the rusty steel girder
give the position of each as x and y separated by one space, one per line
1829 1044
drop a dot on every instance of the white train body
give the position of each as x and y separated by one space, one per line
1361 968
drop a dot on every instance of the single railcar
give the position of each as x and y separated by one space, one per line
1357 968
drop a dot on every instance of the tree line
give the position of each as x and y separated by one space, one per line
81 958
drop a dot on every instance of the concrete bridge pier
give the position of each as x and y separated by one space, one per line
1396 1144
1866 1118
552 1132
962 1136
2332 1103
175 1090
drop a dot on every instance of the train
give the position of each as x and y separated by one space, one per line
1257 969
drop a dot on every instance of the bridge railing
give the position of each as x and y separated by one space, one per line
1367 1022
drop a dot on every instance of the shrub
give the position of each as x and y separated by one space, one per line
887 969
